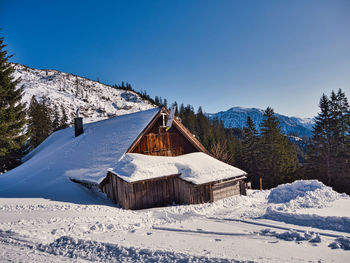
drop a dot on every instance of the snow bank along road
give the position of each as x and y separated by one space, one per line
299 222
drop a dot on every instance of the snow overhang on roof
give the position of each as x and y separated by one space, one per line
197 168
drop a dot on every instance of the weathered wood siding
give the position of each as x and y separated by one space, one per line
225 189
142 194
166 190
159 142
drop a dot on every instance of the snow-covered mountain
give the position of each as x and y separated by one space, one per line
236 117
95 100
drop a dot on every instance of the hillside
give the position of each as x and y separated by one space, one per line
236 117
95 100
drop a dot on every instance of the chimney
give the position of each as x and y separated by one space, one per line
78 125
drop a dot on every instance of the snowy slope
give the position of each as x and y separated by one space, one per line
95 100
236 117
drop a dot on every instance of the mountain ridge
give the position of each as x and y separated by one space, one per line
95 100
236 117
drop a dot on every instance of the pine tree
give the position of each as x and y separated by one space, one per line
40 125
176 108
189 120
181 111
320 148
64 120
56 119
12 114
329 149
278 161
340 127
204 130
156 100
250 144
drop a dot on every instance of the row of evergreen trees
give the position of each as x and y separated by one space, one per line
328 151
268 155
43 120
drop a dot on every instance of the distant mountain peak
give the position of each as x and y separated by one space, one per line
236 117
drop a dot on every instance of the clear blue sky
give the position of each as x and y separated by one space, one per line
217 54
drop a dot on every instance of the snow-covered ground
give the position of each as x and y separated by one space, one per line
300 222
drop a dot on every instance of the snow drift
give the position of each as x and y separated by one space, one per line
299 202
303 194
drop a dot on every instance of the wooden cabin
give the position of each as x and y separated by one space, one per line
171 148
167 190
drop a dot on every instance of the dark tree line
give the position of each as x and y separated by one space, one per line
44 120
268 155
328 152
219 141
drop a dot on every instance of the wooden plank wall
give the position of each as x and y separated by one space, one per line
142 194
181 191
200 194
225 189
159 142
167 190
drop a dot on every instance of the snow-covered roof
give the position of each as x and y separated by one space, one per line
197 168
47 169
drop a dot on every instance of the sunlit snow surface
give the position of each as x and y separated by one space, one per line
230 230
299 222
198 167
